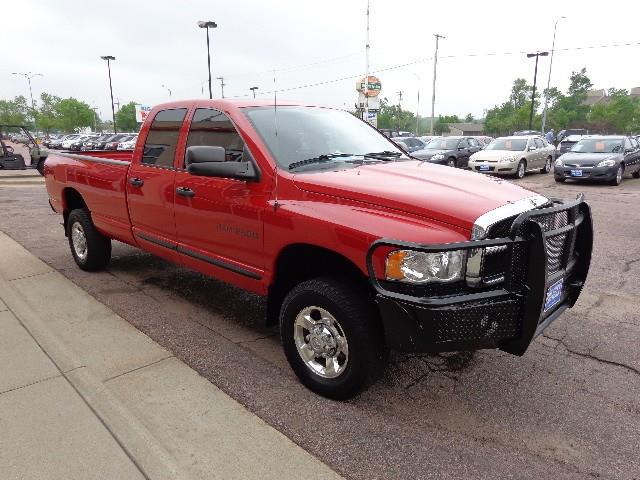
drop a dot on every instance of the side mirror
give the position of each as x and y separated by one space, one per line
238 170
203 154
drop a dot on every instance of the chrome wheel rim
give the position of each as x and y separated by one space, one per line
521 170
619 175
452 163
547 165
79 241
321 342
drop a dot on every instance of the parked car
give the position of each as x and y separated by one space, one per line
129 144
69 139
484 140
514 155
562 134
522 133
412 143
110 138
567 142
358 247
452 151
95 142
391 132
599 158
427 138
112 143
78 144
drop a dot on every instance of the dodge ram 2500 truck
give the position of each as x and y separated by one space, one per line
359 247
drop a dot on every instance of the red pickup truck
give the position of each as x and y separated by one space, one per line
359 247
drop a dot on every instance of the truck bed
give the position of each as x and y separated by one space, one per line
99 177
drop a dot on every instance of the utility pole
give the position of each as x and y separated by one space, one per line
366 75
222 85
435 66
399 107
253 89
535 77
546 97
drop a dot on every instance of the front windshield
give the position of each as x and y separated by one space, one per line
598 145
508 144
442 144
309 132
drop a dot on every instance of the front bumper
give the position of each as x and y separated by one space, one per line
506 315
588 173
495 168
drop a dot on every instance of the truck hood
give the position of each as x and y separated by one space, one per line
437 192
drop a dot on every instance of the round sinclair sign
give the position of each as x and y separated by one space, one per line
372 89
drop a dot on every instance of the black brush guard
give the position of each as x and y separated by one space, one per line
506 316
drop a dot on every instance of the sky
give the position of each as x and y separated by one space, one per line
285 45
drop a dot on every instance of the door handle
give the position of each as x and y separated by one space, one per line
136 182
185 192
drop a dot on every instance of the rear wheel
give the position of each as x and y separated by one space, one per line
452 162
547 166
617 180
522 168
90 249
636 174
332 337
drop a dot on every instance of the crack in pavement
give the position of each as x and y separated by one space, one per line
590 355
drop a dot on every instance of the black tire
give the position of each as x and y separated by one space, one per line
40 166
636 174
356 317
452 162
617 180
560 179
97 253
521 170
547 166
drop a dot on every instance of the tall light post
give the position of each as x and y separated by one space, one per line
222 85
108 58
418 105
95 118
435 66
253 89
535 77
29 76
166 88
546 97
366 74
206 25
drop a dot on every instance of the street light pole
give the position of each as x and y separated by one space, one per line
29 76
222 85
253 89
546 97
535 76
206 25
108 58
435 65
366 74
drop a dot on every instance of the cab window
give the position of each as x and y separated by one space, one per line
161 141
213 128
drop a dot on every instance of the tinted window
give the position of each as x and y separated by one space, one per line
627 144
538 143
463 144
473 142
213 128
160 144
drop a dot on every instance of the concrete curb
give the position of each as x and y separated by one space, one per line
140 445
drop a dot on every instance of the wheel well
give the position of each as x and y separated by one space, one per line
300 262
71 199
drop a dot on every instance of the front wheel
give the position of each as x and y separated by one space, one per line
90 249
522 168
452 162
617 180
332 337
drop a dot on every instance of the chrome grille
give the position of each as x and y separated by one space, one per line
556 244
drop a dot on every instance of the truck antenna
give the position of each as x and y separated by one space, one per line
277 149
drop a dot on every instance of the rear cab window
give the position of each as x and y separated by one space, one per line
162 139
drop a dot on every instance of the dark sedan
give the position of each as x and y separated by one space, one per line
452 151
605 158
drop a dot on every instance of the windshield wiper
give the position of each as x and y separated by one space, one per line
319 159
384 155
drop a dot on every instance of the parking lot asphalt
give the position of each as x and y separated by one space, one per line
569 408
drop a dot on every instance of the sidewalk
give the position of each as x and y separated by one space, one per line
84 395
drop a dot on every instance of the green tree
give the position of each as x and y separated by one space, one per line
619 114
468 118
14 112
73 114
47 117
126 118
392 116
520 93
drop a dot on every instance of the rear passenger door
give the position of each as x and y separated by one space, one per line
150 184
541 153
463 153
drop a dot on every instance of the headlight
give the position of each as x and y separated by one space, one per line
607 163
507 159
420 267
559 163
